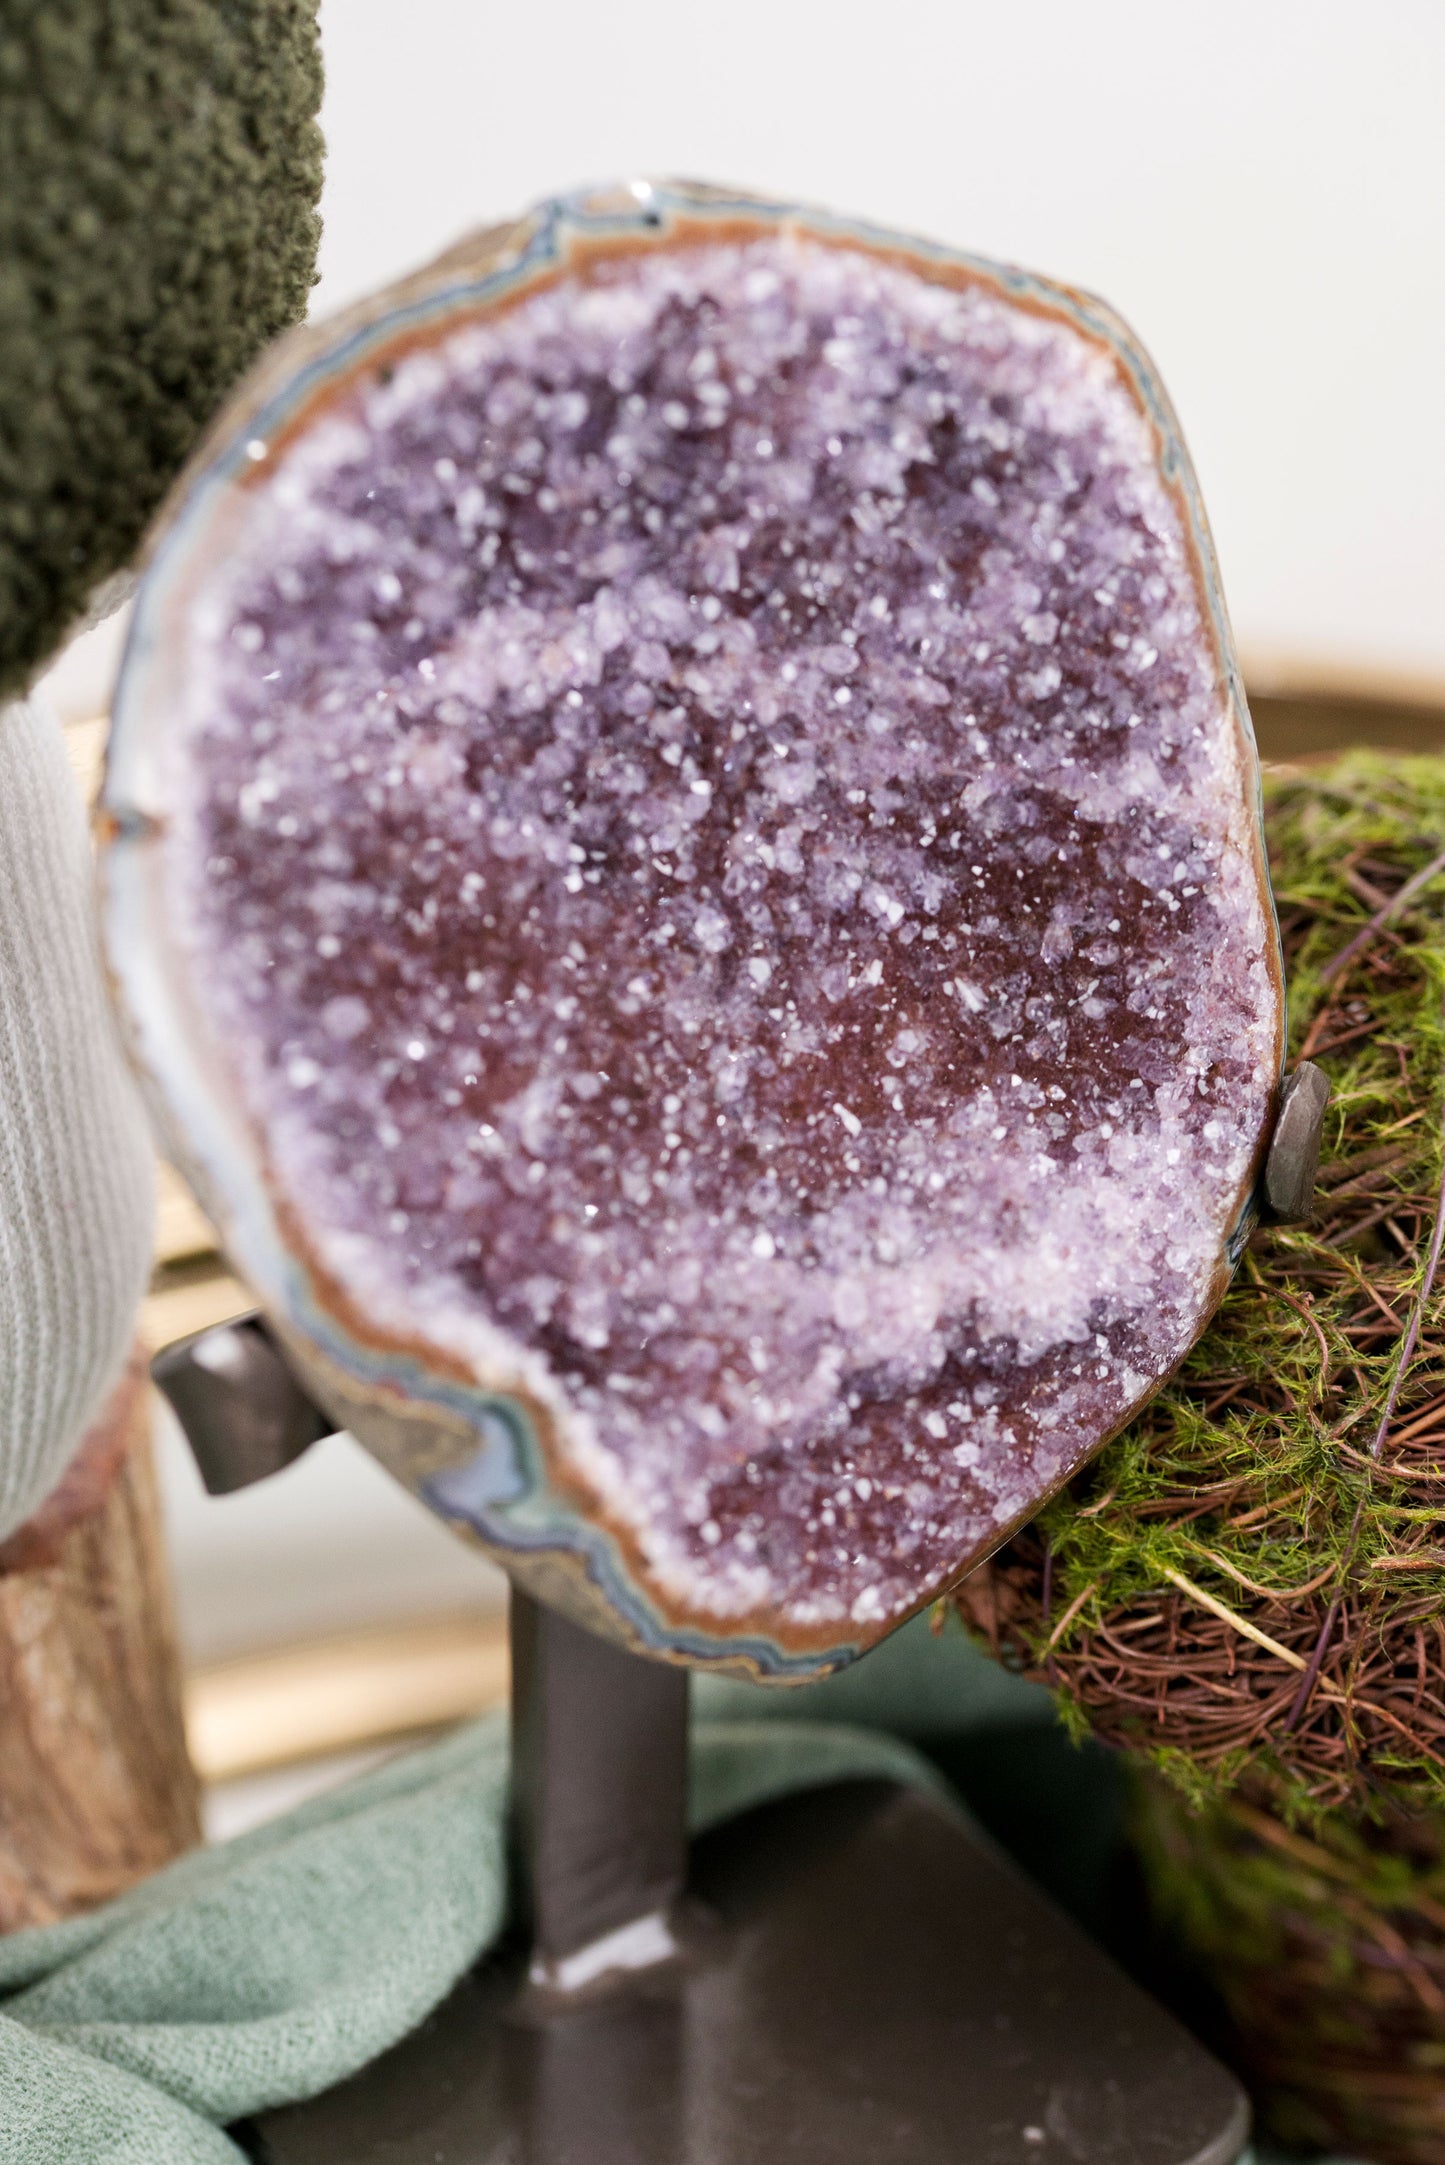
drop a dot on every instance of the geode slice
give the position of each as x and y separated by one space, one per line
686 875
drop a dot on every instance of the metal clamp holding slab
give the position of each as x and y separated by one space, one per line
243 1412
1287 1188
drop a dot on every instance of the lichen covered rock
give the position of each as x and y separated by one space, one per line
161 164
704 849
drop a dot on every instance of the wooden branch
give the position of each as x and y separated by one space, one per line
96 1790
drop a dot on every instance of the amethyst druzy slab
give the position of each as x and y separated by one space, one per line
702 925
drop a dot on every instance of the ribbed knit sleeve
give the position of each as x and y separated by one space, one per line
76 1180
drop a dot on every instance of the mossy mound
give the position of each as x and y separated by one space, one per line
1248 1585
162 164
1327 1951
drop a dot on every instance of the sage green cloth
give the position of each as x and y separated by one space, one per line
269 1967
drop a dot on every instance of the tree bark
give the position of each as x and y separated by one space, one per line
96 1790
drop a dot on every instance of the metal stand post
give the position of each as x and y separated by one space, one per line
599 1800
855 1977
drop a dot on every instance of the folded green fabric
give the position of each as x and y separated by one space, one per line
270 1967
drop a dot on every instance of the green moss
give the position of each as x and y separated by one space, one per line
1251 1478
1327 1952
158 225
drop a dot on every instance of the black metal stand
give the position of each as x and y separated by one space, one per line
850 1976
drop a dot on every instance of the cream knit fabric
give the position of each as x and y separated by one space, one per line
76 1180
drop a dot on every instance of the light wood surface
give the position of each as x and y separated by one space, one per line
301 1702
190 1302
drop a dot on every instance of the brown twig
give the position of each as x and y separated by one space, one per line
1408 1345
1371 930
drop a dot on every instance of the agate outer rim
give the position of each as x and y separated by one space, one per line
477 1455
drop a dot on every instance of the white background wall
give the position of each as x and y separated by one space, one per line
1258 184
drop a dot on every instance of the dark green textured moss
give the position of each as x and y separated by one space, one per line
1326 1949
160 164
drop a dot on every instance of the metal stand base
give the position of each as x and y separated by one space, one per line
867 1984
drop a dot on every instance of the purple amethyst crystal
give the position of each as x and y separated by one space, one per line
706 830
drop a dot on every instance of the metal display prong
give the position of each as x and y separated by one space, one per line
243 1411
1293 1158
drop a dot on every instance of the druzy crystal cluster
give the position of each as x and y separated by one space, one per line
709 828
